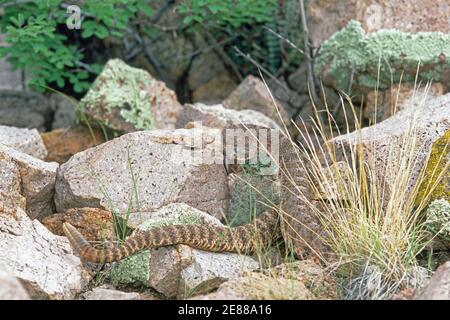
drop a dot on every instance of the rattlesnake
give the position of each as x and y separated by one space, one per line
268 227
244 239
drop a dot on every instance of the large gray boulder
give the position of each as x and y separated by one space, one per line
155 168
41 260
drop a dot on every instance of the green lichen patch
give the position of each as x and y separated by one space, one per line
352 56
135 270
132 271
436 173
251 195
438 220
119 98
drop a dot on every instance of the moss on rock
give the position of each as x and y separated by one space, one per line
440 156
354 56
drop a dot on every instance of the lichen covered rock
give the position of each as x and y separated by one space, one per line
126 99
354 56
438 222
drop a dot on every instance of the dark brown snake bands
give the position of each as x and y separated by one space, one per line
243 239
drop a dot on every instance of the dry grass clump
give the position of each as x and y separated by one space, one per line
371 221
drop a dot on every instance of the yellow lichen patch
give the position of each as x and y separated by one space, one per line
437 169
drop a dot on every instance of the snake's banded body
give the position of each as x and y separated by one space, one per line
243 239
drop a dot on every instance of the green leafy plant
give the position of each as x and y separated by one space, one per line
38 43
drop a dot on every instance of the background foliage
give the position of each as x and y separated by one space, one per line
39 43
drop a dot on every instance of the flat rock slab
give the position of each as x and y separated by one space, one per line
25 176
179 271
40 259
156 168
25 140
216 116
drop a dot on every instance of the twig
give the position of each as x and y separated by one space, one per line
150 56
310 70
262 69
218 49
289 42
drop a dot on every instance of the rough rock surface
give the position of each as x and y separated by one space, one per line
302 280
39 258
24 140
258 286
61 144
127 99
64 111
10 287
30 177
209 80
383 104
385 139
329 16
252 94
180 270
247 134
216 116
161 167
106 293
93 223
438 288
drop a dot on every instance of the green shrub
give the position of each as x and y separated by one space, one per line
39 42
